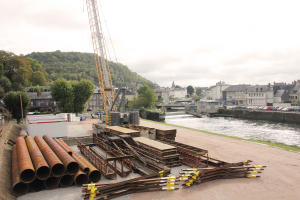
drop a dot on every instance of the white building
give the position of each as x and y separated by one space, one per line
162 93
215 92
178 93
260 95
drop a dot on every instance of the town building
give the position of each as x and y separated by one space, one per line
209 106
95 102
235 95
216 92
162 93
178 93
260 95
42 102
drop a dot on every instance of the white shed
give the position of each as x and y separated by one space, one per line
46 125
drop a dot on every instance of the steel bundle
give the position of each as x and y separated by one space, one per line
18 187
70 164
57 167
41 167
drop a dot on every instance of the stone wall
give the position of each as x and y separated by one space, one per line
292 117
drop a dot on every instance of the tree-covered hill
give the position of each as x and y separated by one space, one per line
77 66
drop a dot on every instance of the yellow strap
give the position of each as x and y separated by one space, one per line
161 172
184 176
256 169
188 184
197 173
245 161
93 193
191 181
258 166
91 185
253 172
171 181
252 176
194 169
194 177
92 196
170 188
170 184
171 177
187 173
182 179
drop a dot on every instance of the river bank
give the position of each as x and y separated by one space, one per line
280 180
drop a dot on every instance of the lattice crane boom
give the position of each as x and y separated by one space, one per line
102 66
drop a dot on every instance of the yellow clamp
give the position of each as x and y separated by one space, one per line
90 186
182 179
191 181
253 172
171 181
188 184
194 169
161 172
93 193
187 173
184 176
197 174
251 176
256 169
258 166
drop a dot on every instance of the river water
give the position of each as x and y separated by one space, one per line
286 133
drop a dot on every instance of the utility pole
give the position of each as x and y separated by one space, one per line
21 107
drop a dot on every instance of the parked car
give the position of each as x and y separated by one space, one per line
285 109
280 108
297 109
291 109
270 108
265 108
260 108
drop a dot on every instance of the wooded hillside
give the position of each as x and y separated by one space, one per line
77 66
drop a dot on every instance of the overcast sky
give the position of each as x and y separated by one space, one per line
191 42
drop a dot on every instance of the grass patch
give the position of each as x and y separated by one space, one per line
280 145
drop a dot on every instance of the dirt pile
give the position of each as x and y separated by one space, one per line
9 131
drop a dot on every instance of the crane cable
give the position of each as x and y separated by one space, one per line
109 36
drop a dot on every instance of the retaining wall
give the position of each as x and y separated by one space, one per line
292 117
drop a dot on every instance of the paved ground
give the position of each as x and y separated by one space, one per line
280 180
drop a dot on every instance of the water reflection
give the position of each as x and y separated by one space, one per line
286 133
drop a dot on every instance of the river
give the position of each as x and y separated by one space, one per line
276 132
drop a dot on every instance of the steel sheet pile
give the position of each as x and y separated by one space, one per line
39 163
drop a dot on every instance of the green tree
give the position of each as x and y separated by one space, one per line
38 78
82 92
199 91
62 92
22 76
5 83
12 103
146 96
190 90
37 88
34 64
196 98
177 86
2 92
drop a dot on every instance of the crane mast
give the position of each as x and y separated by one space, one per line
102 66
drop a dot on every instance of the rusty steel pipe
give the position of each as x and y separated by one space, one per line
51 183
57 168
41 167
70 164
26 169
62 146
36 185
94 174
81 178
18 187
66 180
82 166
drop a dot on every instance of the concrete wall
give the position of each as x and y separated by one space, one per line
292 117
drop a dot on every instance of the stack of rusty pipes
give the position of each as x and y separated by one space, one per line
148 183
37 164
201 175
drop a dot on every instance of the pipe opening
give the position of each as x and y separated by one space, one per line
20 189
51 183
36 185
58 169
73 168
81 179
86 170
95 176
43 172
66 180
27 176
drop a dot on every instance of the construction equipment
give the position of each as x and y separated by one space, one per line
106 89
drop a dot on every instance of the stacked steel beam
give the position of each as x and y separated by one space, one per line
37 164
202 175
148 183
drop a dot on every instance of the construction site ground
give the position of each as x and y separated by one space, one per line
280 180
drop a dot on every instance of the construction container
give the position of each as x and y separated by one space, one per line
46 125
